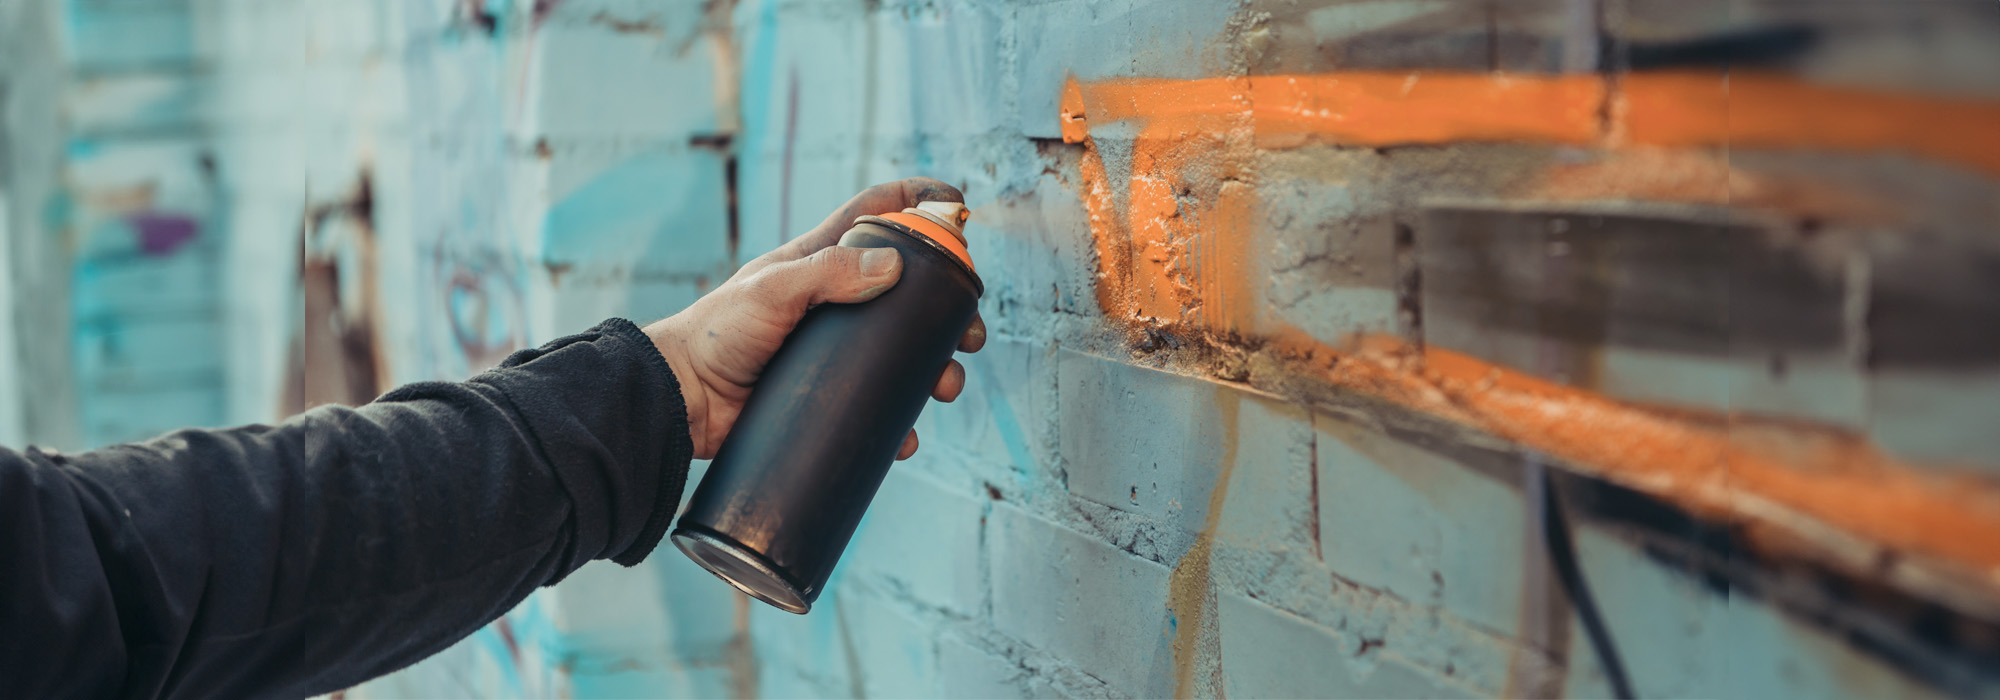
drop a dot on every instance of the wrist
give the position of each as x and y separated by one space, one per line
672 346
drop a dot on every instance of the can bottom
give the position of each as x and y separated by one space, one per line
748 571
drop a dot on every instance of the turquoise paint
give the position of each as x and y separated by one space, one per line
624 210
1004 419
489 640
56 212
79 149
759 77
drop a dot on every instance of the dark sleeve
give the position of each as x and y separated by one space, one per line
341 545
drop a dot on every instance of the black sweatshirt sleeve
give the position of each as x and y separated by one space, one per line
341 545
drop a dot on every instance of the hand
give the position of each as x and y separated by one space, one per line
718 346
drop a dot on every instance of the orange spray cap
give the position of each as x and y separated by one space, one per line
942 222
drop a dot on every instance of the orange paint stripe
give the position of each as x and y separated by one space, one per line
1145 279
1653 109
1839 481
1380 109
1769 111
1845 484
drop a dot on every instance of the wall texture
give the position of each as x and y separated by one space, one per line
1355 348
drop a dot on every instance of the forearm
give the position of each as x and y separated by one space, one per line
347 542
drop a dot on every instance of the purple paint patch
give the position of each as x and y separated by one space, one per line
162 234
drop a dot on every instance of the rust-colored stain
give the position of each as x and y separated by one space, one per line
1175 255
1197 643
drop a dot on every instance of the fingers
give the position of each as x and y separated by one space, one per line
837 275
909 446
950 384
975 336
880 199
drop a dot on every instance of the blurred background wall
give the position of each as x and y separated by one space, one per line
1352 348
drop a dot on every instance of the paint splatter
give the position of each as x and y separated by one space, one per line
160 234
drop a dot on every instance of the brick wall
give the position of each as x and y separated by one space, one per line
1302 316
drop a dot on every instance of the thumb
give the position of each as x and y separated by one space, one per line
834 274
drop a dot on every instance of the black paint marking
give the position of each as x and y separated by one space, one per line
1760 47
1562 556
1409 287
725 144
1900 627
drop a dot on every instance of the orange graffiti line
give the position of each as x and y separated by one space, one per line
1842 482
1380 109
1212 126
1770 111
1657 109
1162 261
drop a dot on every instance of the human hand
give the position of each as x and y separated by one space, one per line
719 345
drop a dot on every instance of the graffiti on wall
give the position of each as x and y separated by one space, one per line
1176 245
470 306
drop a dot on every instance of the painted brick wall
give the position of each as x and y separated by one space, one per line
1311 321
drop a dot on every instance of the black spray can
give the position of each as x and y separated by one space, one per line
829 413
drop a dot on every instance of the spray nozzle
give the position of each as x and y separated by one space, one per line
950 215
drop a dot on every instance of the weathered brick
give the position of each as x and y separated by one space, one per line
938 71
1678 639
782 682
1938 416
146 101
1034 253
1083 600
1821 387
1425 529
805 68
659 210
700 611
125 36
1333 270
966 671
1267 653
1154 443
114 416
897 655
1099 39
606 78
577 304
924 538
1269 505
1142 440
782 202
1002 418
136 350
817 648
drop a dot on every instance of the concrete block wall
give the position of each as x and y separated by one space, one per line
1360 348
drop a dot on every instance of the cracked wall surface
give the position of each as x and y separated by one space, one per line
1356 348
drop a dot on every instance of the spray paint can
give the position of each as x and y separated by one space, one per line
829 413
